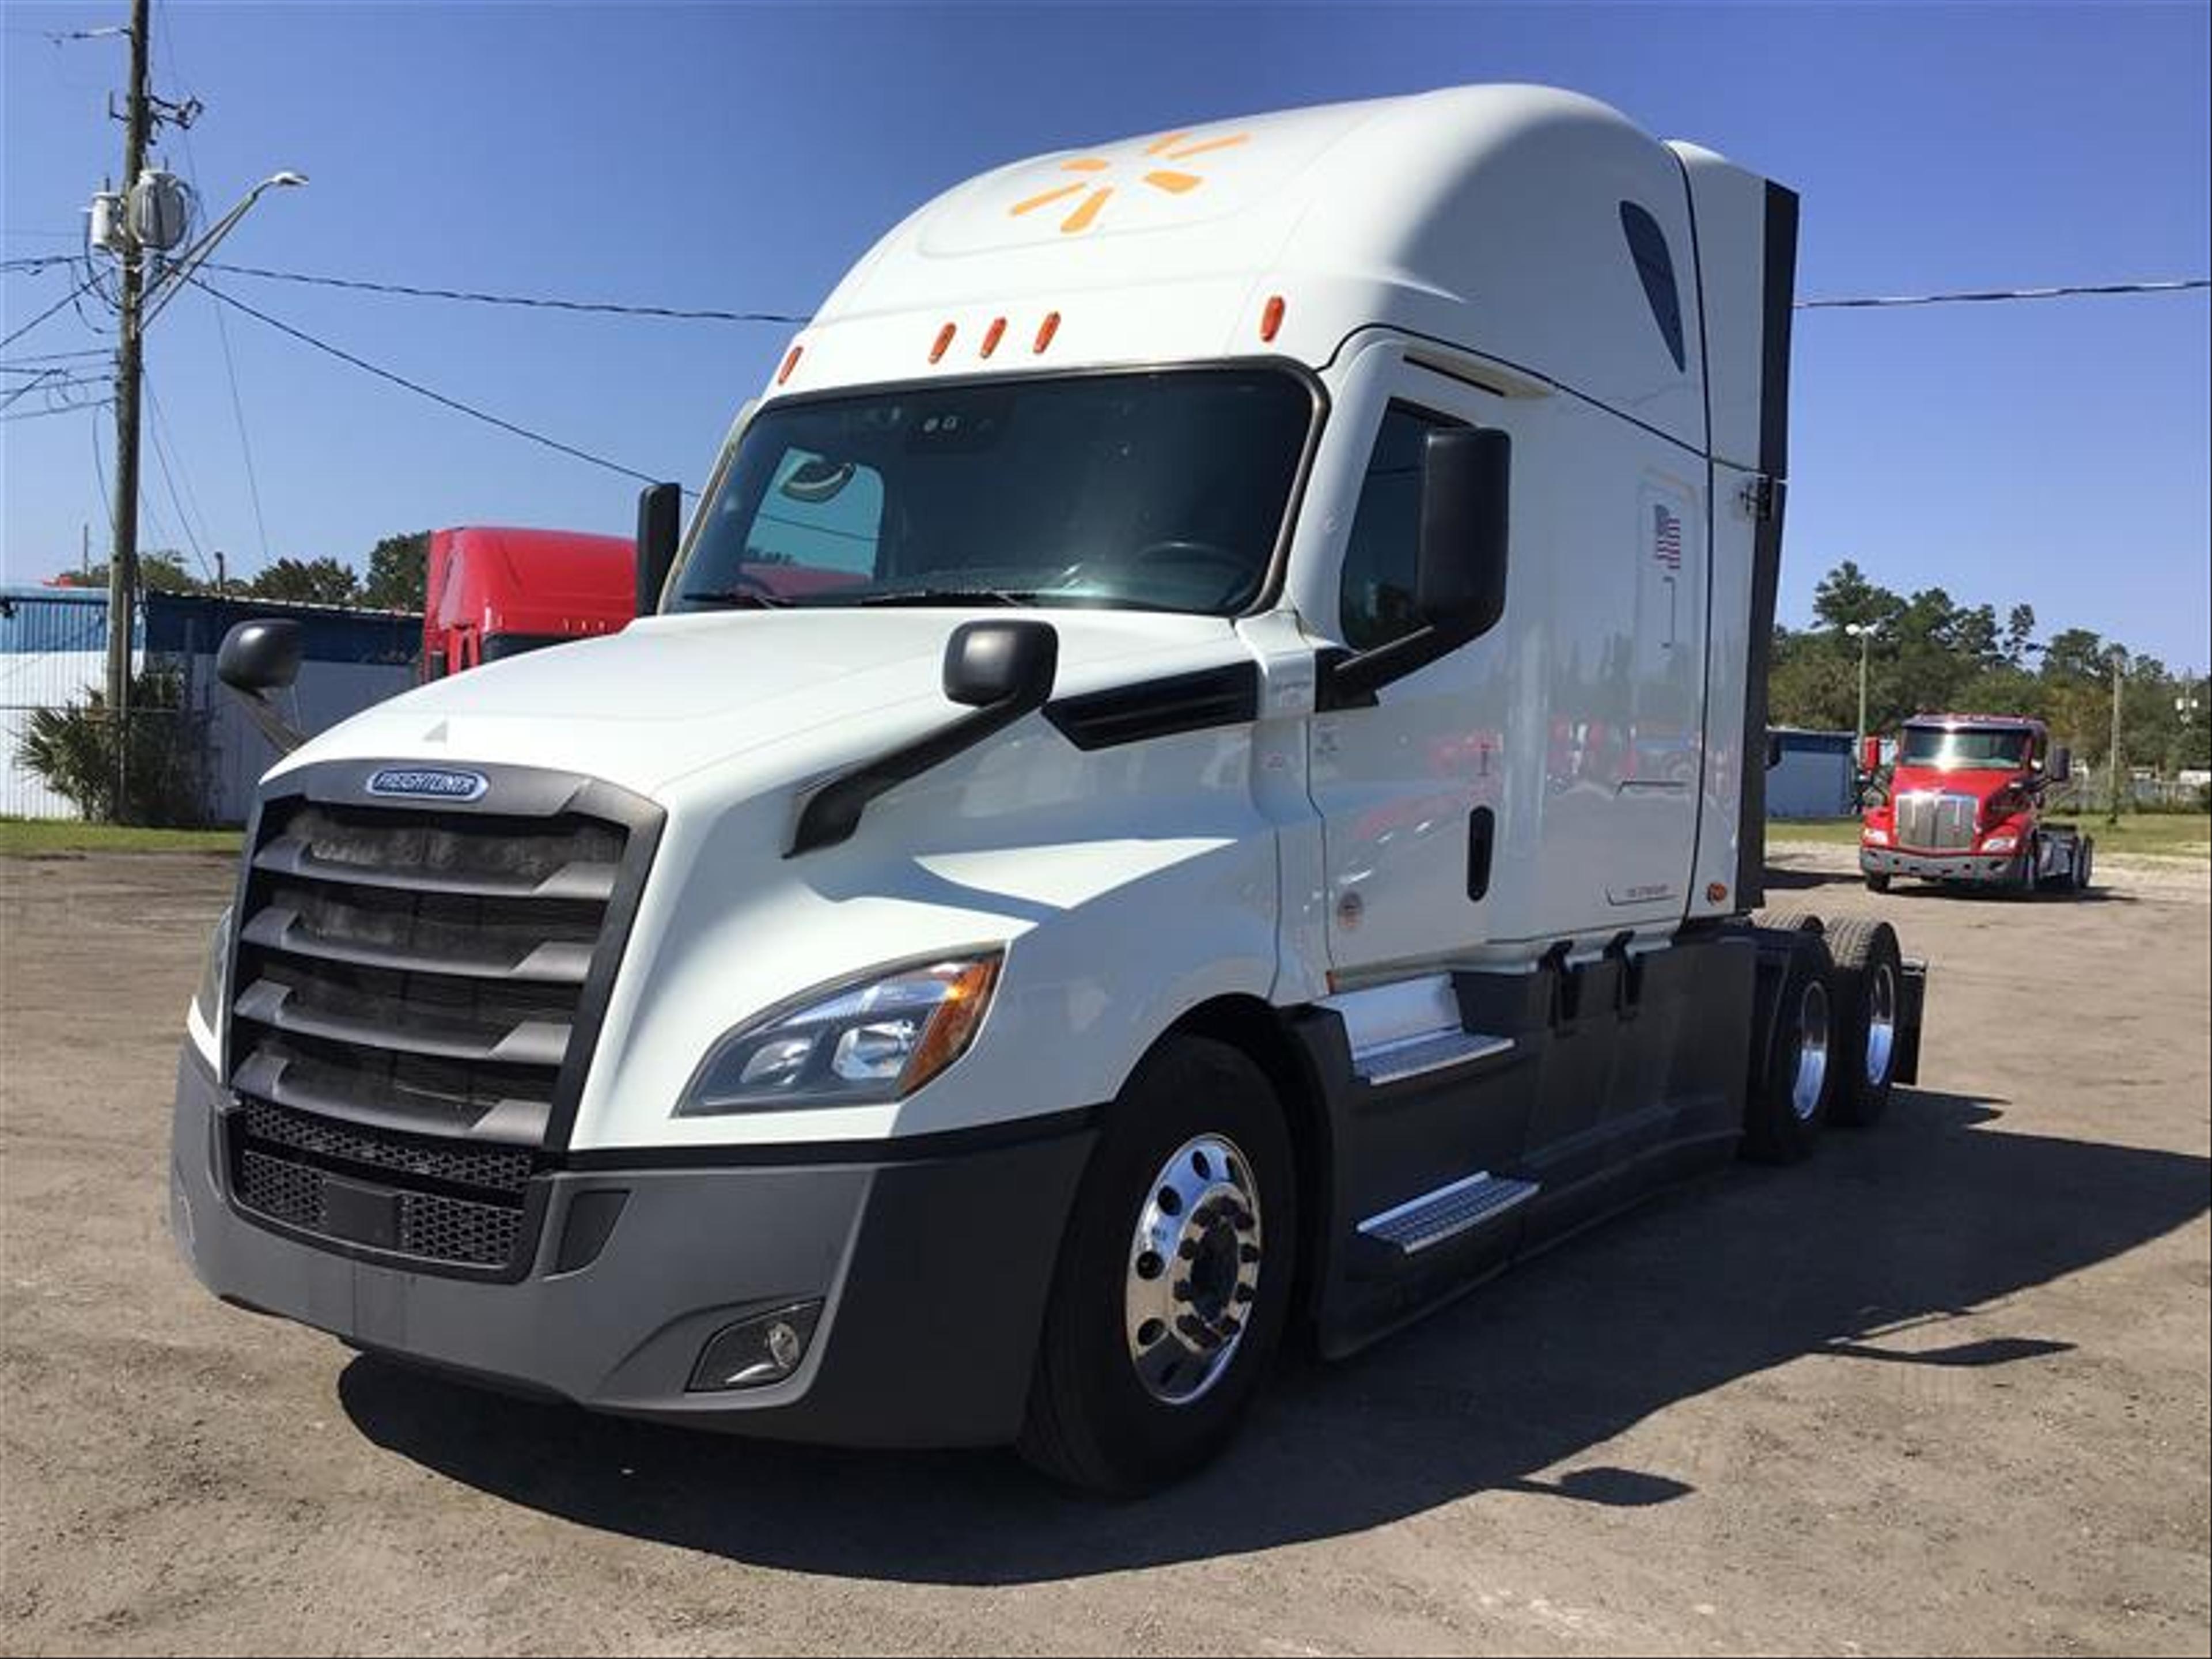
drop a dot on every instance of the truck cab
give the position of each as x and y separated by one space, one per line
492 593
1967 805
1195 776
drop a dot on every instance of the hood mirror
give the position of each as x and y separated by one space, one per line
257 658
987 663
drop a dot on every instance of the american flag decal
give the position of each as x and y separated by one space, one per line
1666 537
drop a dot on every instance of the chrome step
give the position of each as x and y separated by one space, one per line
1408 1028
1424 1223
1431 1051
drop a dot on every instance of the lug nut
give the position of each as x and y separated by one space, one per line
1182 1290
1249 1254
1190 1326
1148 1265
1244 1292
1187 1249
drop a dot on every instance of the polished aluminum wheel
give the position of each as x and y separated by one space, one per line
1881 1023
1808 1087
1194 1271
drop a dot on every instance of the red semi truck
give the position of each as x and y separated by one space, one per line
1966 805
494 592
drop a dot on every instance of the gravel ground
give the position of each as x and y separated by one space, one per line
1942 1389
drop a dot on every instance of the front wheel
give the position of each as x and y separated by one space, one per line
1174 1281
1877 881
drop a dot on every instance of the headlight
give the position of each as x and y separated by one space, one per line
1877 837
862 1044
2000 843
215 970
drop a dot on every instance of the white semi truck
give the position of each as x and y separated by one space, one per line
1250 825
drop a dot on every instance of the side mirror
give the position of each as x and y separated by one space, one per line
260 656
659 523
1460 562
1773 749
257 658
1871 754
1458 580
2060 766
988 663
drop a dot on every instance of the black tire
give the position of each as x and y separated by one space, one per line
2085 864
1093 1422
1877 882
1790 1094
1870 982
1788 922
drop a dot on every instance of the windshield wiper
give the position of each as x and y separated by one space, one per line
947 596
735 597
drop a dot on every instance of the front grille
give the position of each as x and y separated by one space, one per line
409 986
1930 821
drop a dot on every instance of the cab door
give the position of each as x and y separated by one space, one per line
1409 789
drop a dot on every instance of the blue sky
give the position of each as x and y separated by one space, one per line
739 157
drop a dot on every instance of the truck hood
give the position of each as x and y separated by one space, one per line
1978 782
796 692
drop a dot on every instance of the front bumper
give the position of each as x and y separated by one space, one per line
1983 869
934 1271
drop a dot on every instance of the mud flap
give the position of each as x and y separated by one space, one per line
1913 990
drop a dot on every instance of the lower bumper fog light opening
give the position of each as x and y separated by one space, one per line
754 1352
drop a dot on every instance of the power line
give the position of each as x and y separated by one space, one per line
64 409
69 298
169 478
420 390
1982 296
534 302
245 448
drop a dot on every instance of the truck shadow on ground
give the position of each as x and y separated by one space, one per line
1861 1257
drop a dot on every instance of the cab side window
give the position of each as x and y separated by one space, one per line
1380 556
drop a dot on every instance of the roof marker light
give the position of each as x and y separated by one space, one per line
993 334
790 363
943 343
1046 330
1271 316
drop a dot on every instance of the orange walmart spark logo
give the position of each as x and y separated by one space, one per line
1095 194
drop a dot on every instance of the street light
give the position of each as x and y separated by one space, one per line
180 271
1864 634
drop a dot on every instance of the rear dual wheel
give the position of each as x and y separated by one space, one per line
1870 984
1790 1093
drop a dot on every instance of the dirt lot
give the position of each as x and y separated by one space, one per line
1942 1389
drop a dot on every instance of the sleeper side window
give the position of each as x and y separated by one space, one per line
1647 246
1380 556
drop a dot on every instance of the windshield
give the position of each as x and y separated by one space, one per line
1161 491
1988 749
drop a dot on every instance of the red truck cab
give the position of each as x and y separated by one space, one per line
493 592
1966 804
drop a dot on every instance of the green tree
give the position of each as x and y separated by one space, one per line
162 571
397 568
2019 633
1845 595
309 581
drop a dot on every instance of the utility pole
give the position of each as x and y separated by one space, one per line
2119 665
123 555
222 579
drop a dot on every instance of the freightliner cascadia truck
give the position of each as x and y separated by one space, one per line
1257 829
1966 806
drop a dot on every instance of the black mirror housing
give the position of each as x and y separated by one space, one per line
659 526
2060 768
989 663
260 656
1465 509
